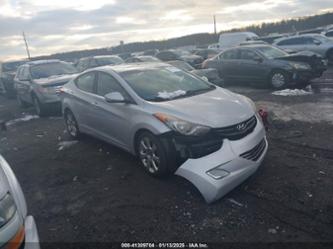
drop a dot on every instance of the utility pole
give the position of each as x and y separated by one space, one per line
214 17
26 45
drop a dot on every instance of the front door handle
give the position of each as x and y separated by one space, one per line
94 103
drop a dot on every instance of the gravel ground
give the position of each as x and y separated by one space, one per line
89 191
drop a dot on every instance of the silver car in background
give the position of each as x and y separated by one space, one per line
316 43
38 83
17 229
172 120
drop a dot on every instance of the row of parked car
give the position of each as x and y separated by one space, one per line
290 61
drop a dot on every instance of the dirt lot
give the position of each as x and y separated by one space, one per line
92 191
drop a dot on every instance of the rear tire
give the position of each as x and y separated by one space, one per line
40 109
278 79
152 154
72 126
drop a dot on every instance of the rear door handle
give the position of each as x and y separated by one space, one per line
94 103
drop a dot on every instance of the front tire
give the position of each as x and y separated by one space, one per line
72 126
152 154
278 79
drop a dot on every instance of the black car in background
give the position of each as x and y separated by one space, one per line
267 65
182 55
7 74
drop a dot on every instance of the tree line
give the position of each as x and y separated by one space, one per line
263 29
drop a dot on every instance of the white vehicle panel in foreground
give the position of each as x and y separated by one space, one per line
228 159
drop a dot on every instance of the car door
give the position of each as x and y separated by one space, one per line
292 44
251 65
311 44
228 63
83 102
23 84
113 119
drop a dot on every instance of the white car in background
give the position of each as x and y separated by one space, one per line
233 39
17 229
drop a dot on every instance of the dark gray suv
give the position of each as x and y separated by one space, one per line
39 82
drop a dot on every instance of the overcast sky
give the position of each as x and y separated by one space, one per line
65 25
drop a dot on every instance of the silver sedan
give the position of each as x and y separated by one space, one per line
172 120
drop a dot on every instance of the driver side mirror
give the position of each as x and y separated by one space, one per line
115 97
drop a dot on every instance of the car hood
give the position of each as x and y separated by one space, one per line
55 80
303 56
217 108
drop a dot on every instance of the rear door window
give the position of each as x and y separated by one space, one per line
86 82
107 84
24 75
230 55
292 41
246 54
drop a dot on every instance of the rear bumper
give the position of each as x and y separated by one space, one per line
227 159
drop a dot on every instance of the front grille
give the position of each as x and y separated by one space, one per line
255 153
237 131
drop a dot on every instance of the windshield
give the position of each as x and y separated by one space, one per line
162 84
182 65
49 69
322 38
272 52
109 61
148 59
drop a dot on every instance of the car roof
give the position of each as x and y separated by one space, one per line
131 66
249 46
39 62
296 36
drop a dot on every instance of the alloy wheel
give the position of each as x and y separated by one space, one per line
149 155
71 125
278 80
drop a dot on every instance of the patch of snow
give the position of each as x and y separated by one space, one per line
310 112
66 144
23 119
272 230
292 92
233 201
170 95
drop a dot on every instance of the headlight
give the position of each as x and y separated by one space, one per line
301 66
7 209
181 126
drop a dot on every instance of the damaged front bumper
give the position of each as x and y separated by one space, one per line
217 173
